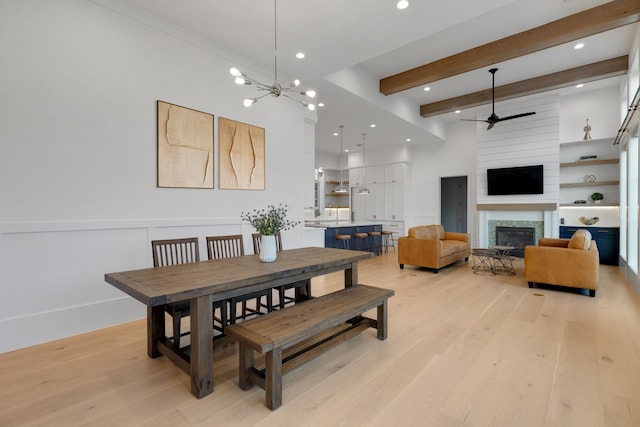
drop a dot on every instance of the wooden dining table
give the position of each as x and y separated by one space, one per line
205 282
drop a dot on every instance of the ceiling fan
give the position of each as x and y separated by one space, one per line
493 118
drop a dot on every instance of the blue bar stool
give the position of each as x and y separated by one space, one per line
362 238
375 240
344 238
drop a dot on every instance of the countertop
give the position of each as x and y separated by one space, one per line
334 224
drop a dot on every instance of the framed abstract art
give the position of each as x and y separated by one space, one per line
185 147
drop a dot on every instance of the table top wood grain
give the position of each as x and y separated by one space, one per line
225 277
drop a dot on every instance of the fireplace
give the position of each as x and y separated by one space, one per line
518 237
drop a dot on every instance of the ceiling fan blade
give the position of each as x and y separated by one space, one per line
515 116
490 125
472 120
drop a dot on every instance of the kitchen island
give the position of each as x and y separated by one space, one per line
348 227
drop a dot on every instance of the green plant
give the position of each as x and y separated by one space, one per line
597 196
269 221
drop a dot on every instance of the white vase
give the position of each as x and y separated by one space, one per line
268 248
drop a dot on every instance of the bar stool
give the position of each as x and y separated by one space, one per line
375 238
362 237
344 238
387 240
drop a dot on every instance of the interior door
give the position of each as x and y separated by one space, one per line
453 203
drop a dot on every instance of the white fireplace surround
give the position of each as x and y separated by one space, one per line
547 216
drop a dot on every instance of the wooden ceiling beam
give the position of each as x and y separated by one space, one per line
592 21
586 73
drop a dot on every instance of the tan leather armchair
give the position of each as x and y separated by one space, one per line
430 246
565 262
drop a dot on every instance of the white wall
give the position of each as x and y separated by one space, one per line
458 157
79 85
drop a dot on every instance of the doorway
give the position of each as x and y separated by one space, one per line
453 203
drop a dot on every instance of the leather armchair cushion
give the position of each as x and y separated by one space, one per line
581 239
449 247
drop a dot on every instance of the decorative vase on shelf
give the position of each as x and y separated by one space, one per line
268 248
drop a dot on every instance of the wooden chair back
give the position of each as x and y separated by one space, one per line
257 242
175 251
219 247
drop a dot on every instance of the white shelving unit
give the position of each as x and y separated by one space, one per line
575 174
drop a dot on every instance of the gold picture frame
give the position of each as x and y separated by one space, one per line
185 147
241 155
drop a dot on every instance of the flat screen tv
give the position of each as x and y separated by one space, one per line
516 180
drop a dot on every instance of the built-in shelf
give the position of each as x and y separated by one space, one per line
587 205
590 162
337 194
588 184
345 182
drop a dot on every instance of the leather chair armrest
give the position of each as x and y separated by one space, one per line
423 252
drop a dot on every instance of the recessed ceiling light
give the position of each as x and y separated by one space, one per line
408 139
335 134
300 55
579 46
427 89
320 104
579 85
457 111
346 150
402 4
372 125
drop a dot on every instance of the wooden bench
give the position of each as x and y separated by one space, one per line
277 331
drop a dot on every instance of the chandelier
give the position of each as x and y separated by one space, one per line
364 190
341 189
276 89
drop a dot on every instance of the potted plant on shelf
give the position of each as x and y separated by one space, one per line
269 222
597 197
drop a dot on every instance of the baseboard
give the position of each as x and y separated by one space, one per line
20 332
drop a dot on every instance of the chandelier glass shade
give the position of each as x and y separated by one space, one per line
341 188
276 89
364 190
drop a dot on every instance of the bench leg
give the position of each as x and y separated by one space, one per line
244 366
382 320
273 378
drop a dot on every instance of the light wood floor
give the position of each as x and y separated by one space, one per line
463 349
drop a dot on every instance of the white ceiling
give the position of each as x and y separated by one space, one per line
350 45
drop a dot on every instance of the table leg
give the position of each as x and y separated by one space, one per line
202 346
155 329
351 275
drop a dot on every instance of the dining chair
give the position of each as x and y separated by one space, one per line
219 247
182 251
303 285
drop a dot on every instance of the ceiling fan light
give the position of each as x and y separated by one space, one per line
235 72
241 81
402 4
248 102
295 83
310 93
311 107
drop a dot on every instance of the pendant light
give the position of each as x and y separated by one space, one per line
341 189
364 190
